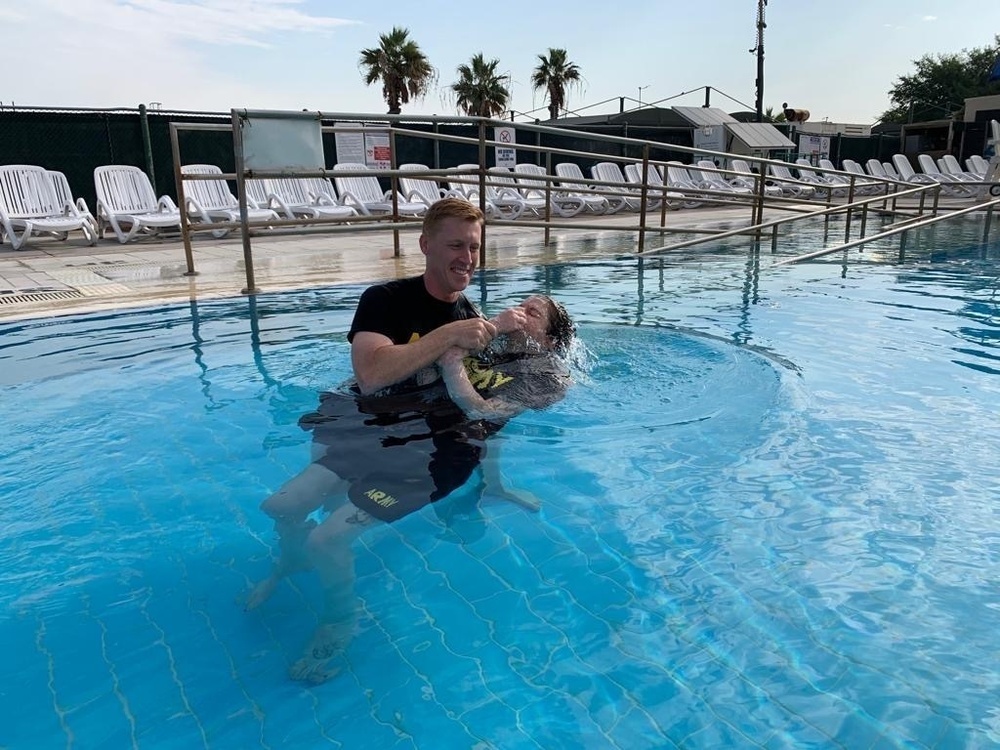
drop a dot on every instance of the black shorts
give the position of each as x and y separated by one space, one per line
398 452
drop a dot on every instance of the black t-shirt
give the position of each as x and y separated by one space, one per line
404 310
402 450
531 380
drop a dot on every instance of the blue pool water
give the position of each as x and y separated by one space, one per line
769 520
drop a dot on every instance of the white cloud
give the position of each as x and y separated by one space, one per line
929 18
117 53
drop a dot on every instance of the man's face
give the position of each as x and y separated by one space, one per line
452 252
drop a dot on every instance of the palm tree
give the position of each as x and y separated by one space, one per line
479 90
402 67
554 73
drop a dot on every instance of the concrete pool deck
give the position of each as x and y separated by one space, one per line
50 277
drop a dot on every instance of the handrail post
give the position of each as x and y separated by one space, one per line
643 197
241 190
182 201
850 210
761 195
147 143
482 191
986 227
548 196
394 186
937 199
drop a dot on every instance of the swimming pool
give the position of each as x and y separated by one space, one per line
769 521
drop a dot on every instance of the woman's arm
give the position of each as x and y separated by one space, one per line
463 393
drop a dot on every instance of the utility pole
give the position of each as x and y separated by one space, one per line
759 49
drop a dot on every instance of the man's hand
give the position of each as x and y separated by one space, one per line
472 335
511 319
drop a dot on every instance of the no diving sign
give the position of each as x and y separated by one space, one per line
506 156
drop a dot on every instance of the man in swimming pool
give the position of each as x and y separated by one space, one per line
402 327
400 331
382 456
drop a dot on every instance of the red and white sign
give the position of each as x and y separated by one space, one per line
506 156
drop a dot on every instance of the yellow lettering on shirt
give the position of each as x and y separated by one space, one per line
413 337
483 378
380 498
500 379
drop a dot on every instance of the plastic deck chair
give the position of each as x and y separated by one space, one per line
126 202
424 190
28 202
212 201
592 200
297 198
717 181
906 174
366 195
531 182
608 171
65 197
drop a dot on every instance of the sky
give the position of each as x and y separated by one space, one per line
837 60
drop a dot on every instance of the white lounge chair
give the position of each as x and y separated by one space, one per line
681 176
874 168
28 202
297 198
531 185
212 200
907 174
423 189
949 165
787 184
65 197
890 169
978 165
656 194
127 203
501 203
744 176
822 182
364 193
715 180
593 201
863 184
953 185
609 171
500 181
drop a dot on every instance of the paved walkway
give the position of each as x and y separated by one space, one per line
50 277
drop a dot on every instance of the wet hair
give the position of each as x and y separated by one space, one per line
457 208
561 327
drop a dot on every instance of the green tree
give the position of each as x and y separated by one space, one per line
769 115
555 74
400 65
480 90
940 85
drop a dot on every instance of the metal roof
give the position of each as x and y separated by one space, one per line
703 116
759 135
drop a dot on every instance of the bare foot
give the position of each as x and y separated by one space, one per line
521 497
262 592
327 642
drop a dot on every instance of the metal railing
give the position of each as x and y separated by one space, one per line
481 178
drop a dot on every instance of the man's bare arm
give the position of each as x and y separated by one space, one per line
463 393
379 363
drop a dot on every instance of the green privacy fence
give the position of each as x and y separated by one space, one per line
75 142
